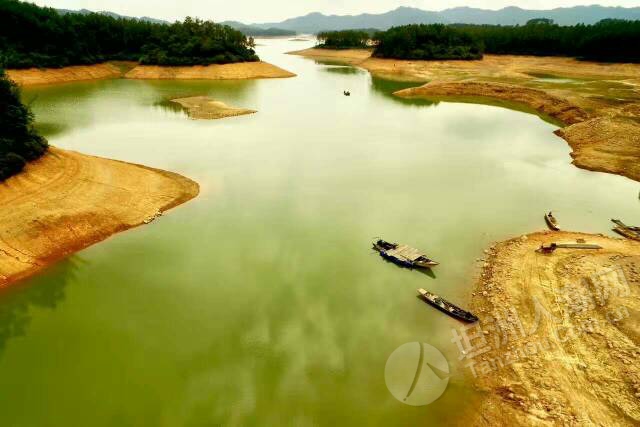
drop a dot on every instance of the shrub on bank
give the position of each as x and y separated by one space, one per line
19 142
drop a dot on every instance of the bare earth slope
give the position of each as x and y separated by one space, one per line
562 332
41 76
241 70
598 103
66 201
130 70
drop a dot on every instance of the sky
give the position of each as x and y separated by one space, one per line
251 11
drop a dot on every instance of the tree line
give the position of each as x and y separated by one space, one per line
33 36
347 39
19 142
611 40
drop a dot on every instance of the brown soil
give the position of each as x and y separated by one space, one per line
599 103
606 145
203 107
66 201
130 70
537 99
242 70
43 76
562 331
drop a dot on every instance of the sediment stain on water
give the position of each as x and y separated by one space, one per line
260 302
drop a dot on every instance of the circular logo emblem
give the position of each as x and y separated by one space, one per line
416 373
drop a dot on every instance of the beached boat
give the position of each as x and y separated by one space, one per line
403 255
623 225
627 231
552 222
553 246
445 306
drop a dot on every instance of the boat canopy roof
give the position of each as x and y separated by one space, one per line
406 252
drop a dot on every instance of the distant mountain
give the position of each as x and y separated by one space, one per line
315 22
256 31
113 15
562 16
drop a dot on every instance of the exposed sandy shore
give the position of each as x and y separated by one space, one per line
242 70
203 107
562 331
43 76
598 103
130 70
537 99
66 201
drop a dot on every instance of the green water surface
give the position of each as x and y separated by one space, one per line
260 302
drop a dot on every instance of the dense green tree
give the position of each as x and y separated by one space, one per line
19 142
436 41
346 39
608 40
32 36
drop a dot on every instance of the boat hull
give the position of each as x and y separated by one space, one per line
552 225
458 313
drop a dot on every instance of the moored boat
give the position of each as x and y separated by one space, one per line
403 255
625 230
552 222
447 307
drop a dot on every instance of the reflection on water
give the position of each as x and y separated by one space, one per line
45 292
387 87
343 70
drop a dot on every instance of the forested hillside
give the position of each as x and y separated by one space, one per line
608 40
435 41
19 142
32 36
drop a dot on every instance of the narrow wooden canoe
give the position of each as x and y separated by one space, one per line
623 225
446 307
552 222
627 232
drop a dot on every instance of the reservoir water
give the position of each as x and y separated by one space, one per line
260 302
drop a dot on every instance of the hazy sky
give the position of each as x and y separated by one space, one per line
249 11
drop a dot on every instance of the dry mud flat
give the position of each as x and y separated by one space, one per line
241 70
66 201
557 341
205 108
598 104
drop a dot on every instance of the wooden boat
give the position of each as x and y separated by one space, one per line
403 255
625 230
623 225
346 93
552 222
445 306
